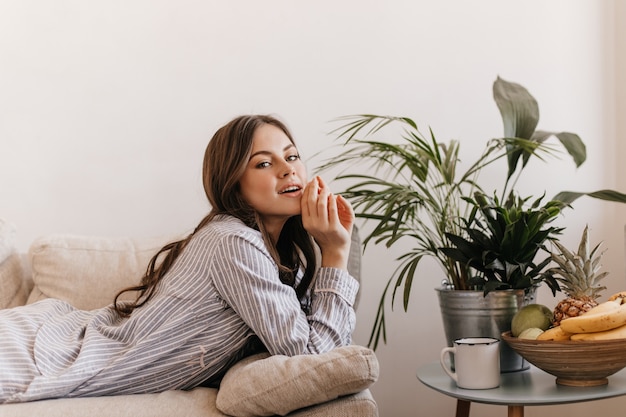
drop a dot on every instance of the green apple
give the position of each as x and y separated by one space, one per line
531 316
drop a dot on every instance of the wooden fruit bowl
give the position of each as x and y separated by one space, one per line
574 362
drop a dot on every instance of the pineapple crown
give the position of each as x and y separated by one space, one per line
578 273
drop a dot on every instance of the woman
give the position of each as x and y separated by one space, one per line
246 279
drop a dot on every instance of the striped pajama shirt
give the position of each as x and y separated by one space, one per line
222 292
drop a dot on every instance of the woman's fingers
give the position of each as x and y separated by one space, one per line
345 213
315 200
329 219
333 216
324 211
322 203
306 202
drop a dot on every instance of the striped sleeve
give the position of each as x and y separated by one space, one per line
247 279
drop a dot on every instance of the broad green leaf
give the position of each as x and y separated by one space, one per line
574 145
569 197
519 109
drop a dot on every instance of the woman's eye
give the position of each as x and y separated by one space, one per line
267 164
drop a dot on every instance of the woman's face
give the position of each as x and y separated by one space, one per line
274 177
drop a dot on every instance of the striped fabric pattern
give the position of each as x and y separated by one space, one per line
221 292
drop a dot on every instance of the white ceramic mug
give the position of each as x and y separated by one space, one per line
476 362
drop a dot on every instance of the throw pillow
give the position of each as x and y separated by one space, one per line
266 386
7 236
13 288
89 271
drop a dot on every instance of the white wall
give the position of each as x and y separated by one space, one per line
106 107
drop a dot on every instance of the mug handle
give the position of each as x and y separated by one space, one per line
442 359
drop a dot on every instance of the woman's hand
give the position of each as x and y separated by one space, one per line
329 219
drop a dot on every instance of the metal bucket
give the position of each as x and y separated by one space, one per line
472 314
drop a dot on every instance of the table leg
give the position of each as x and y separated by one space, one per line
462 408
516 411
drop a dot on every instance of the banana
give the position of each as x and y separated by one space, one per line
554 333
617 333
608 315
621 294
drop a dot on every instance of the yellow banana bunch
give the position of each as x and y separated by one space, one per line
605 321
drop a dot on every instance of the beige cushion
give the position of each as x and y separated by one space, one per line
199 402
361 404
280 384
87 271
13 288
7 238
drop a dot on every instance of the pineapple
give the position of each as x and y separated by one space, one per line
578 276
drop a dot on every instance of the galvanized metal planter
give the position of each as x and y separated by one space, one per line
472 314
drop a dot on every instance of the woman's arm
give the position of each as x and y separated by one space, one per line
247 279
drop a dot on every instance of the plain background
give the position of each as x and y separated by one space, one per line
106 108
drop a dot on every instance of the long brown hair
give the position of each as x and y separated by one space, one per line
225 160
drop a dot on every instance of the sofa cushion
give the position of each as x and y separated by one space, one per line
265 386
361 404
7 237
13 287
199 402
89 271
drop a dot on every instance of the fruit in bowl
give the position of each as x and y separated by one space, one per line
579 316
582 351
580 363
606 321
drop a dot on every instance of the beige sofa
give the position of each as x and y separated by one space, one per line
88 271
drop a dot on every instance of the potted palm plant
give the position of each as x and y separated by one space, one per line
502 243
414 190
